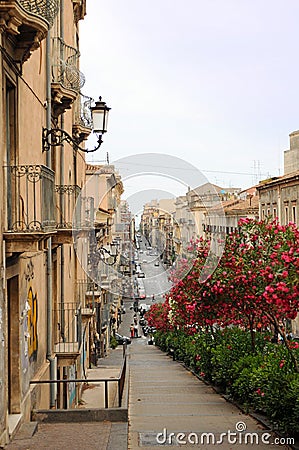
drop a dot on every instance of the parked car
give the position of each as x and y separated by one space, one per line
156 263
122 339
141 275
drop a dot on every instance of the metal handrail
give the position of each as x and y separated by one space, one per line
120 382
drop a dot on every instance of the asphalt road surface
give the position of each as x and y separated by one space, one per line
156 277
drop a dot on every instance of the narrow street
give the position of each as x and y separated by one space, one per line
168 405
156 277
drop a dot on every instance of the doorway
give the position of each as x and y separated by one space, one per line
14 391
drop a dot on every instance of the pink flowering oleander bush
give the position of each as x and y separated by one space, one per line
225 326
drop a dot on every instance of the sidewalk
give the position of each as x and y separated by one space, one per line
169 405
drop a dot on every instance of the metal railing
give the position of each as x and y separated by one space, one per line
68 327
47 9
66 197
65 65
120 381
83 115
30 198
84 213
88 293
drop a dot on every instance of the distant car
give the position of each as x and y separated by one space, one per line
157 263
122 339
144 261
140 251
141 275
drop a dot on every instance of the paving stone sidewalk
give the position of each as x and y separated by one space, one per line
169 407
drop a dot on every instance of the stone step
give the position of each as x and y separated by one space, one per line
26 431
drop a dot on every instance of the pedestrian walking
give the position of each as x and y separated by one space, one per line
132 330
135 331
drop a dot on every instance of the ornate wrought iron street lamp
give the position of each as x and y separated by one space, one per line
108 255
54 137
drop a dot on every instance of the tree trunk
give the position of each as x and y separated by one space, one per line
281 331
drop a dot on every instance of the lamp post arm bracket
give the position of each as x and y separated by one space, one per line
56 136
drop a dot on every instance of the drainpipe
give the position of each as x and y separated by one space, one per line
50 358
61 182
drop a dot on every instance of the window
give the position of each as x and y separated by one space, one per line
286 215
294 218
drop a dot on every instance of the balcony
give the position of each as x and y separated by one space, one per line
27 22
89 294
29 207
67 80
74 214
67 330
79 9
83 120
65 201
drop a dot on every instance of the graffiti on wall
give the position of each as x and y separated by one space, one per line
32 324
29 271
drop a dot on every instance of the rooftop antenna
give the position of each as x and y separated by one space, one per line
257 176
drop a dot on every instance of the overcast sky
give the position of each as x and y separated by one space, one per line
212 82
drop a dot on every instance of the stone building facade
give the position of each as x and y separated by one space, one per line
47 311
279 196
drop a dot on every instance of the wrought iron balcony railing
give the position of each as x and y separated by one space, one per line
66 197
47 9
30 198
88 294
68 327
73 210
83 116
65 65
28 21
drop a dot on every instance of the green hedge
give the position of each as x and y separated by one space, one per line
264 382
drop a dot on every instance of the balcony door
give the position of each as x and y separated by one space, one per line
10 113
